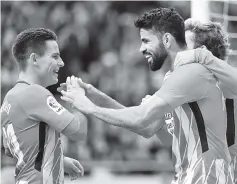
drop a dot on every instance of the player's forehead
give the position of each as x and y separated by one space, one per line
147 34
51 47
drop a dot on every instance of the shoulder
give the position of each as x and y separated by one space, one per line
192 69
32 96
10 103
186 76
9 99
35 88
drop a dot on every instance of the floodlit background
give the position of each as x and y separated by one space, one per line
100 44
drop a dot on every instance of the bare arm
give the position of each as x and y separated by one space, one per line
101 99
96 96
174 92
135 118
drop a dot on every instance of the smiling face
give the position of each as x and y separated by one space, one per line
153 49
49 64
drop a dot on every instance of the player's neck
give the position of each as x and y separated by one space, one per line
31 79
165 68
173 53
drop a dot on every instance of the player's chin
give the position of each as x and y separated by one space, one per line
53 81
153 67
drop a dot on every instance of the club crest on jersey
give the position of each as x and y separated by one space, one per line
54 105
169 120
5 107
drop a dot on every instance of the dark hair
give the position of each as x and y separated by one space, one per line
163 20
210 34
28 41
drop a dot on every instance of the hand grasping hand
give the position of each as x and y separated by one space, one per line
68 83
76 96
72 85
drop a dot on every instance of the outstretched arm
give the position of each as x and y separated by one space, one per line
101 99
133 118
96 96
175 92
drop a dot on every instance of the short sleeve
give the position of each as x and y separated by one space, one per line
186 84
43 107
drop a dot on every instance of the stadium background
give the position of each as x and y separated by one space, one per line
100 44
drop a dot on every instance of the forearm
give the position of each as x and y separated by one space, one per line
150 130
120 118
137 117
101 99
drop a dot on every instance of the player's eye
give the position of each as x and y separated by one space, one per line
56 57
145 40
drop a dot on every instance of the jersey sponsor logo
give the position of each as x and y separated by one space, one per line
169 120
54 105
5 107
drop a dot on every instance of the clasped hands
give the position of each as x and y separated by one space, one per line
74 94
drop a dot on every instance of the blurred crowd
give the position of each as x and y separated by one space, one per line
99 43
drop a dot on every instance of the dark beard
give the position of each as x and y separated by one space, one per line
158 59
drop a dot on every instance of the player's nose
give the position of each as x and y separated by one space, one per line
142 48
60 63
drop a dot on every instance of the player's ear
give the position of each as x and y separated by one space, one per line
167 38
33 59
222 51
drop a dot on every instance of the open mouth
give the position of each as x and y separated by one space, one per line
55 73
149 58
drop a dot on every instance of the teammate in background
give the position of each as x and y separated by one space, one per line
32 119
215 39
200 151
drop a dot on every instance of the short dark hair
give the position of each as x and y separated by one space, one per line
210 34
163 20
28 41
